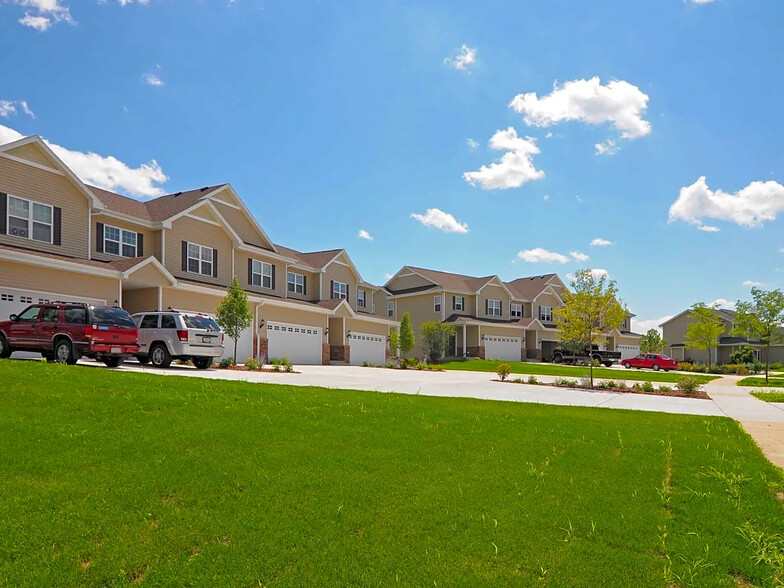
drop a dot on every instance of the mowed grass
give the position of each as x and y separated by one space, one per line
550 369
115 478
769 396
757 381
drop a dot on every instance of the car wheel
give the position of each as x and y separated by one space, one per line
113 361
627 365
608 364
160 356
557 358
143 359
202 363
655 367
64 352
5 348
48 356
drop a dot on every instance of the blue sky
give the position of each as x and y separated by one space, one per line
329 118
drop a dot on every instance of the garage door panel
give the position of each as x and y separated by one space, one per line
300 343
628 351
367 348
505 348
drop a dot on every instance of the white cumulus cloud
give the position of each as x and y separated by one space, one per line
541 255
578 256
472 144
608 147
440 220
618 102
106 172
751 206
754 284
516 166
363 234
9 107
643 326
599 242
43 14
153 78
722 303
464 58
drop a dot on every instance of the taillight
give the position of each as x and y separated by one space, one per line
182 335
88 331
222 335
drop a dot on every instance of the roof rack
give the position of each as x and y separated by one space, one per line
66 302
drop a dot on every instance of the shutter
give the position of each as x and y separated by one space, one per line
348 295
273 277
250 272
139 245
3 213
487 306
332 288
185 256
454 302
501 307
99 237
304 285
57 223
214 263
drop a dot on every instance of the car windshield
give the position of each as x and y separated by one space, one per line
107 315
200 322
665 356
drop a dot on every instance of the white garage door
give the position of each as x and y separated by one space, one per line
367 348
506 348
628 350
300 343
244 346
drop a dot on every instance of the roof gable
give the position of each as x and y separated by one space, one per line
530 287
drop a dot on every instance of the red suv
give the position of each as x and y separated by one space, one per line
65 331
654 361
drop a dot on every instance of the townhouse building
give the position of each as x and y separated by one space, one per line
512 321
61 239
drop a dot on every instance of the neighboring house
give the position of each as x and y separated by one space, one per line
63 240
674 332
492 318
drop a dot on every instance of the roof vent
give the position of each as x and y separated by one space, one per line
177 194
204 188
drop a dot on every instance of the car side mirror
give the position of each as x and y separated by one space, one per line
13 317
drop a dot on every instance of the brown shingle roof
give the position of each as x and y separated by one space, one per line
452 281
529 288
313 259
157 209
118 265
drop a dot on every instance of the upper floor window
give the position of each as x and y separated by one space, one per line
261 274
458 303
516 310
339 290
296 283
546 314
199 259
118 241
494 307
625 325
437 303
30 220
390 309
360 299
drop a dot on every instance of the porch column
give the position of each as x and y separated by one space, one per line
160 298
464 341
119 292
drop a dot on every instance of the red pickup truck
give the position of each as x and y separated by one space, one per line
65 331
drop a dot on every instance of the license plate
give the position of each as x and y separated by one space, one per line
116 350
206 339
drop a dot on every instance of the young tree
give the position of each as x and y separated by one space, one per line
761 320
706 329
652 342
435 338
233 314
405 338
590 309
394 344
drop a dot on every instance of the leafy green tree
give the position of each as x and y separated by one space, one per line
406 337
705 330
652 342
744 355
761 320
233 314
394 343
435 338
590 308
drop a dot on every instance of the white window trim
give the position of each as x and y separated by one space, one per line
437 303
363 299
120 243
549 312
515 310
460 303
339 290
29 219
492 306
390 308
299 287
261 273
200 260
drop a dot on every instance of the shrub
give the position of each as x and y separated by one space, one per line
286 364
688 385
390 365
276 367
665 389
252 364
596 363
434 336
288 367
585 382
367 364
518 380
647 387
744 355
686 366
226 362
274 361
637 386
621 385
412 362
714 369
503 371
532 380
606 385
563 382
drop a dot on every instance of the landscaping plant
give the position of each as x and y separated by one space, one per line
689 385
434 337
761 320
252 364
233 314
503 371
652 342
705 329
406 337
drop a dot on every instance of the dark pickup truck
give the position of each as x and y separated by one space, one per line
607 358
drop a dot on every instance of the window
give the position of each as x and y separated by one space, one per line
625 324
459 303
261 274
7 297
199 259
494 307
546 314
516 310
118 241
390 309
360 299
76 315
150 321
105 315
51 314
168 322
339 290
199 321
29 314
24 213
437 303
296 283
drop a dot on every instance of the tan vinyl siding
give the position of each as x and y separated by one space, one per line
24 181
149 245
204 212
380 302
420 307
33 153
339 273
405 282
545 299
141 300
157 245
194 301
58 282
501 331
241 225
293 316
469 304
241 270
205 234
357 325
311 285
493 292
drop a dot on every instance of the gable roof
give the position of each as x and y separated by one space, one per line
452 281
155 210
313 259
724 313
530 287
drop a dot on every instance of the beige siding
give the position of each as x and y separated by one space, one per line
58 282
339 273
545 299
194 231
380 302
502 331
34 153
194 301
357 325
311 285
493 292
469 304
149 245
293 316
405 282
24 181
204 212
241 225
141 300
241 270
420 307
157 244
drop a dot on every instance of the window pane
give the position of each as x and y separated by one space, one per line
256 267
193 250
150 321
206 268
75 315
167 322
42 213
111 233
18 227
112 247
200 322
193 265
129 237
42 232
30 314
106 315
266 269
128 250
18 207
206 254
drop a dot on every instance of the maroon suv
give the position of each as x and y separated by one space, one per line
64 332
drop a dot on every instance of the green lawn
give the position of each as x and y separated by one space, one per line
769 396
757 381
111 478
551 369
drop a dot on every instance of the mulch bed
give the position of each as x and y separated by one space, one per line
242 368
675 393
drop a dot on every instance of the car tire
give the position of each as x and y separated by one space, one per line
627 365
5 348
143 359
160 356
608 364
557 358
202 363
113 361
656 367
64 352
48 356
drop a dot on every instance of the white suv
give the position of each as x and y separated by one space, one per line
172 334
